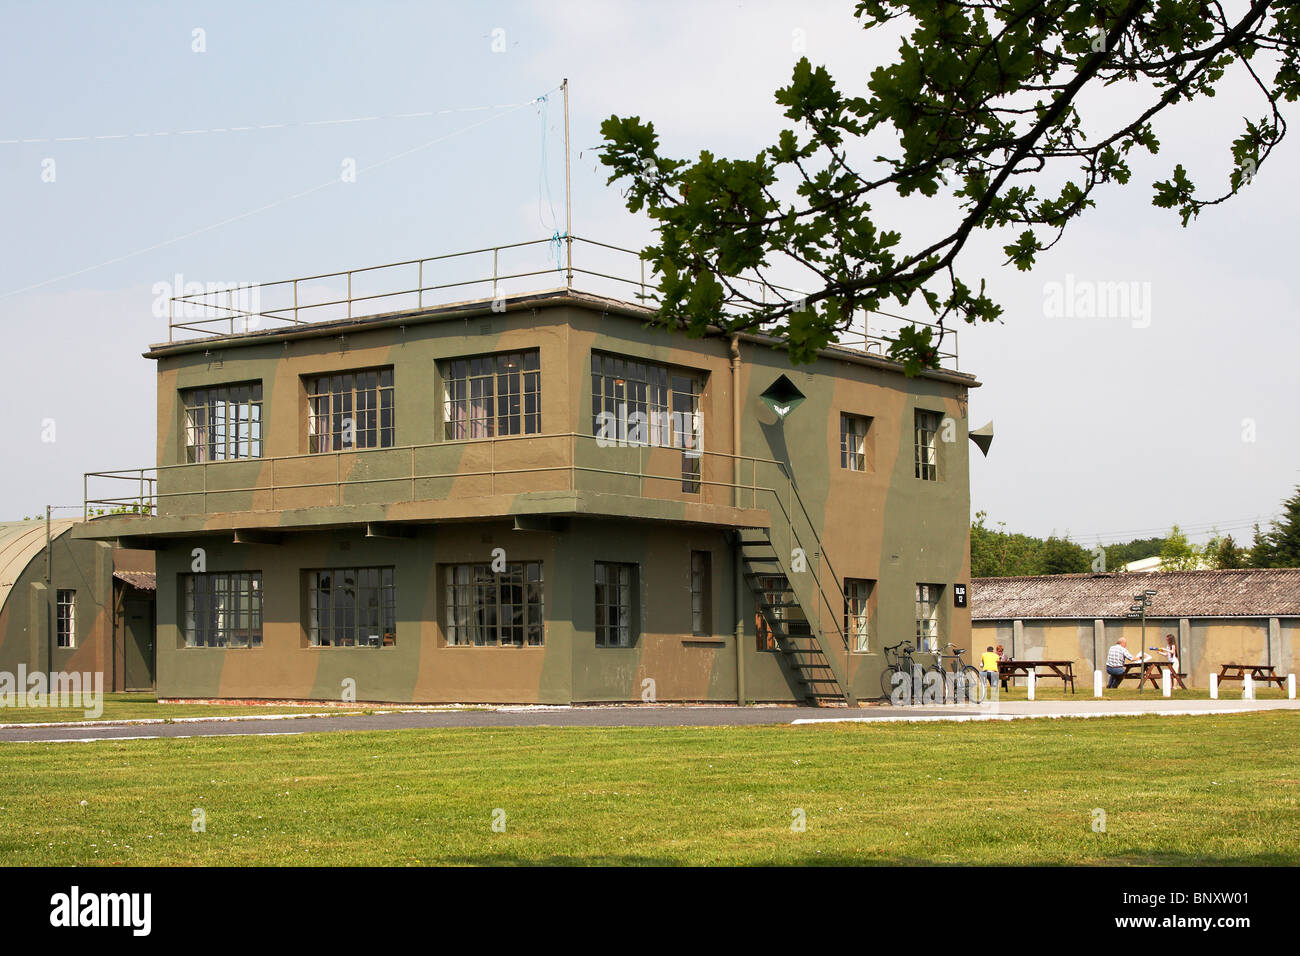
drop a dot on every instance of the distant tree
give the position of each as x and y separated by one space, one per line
1261 550
1222 553
1063 556
1280 546
1179 554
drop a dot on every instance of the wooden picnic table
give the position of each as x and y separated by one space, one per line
1259 672
1149 669
1061 669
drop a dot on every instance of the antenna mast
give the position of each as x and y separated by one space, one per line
568 192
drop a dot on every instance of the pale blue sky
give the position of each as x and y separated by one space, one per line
1102 427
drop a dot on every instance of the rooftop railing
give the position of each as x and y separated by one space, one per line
222 309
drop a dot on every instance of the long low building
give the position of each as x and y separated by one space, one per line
1216 617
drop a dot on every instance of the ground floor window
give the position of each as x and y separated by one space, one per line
351 607
927 616
495 608
66 619
701 593
222 609
774 593
857 593
615 589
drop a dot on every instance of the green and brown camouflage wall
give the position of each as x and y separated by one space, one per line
27 617
882 524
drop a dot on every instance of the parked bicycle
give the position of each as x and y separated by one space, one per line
898 660
963 674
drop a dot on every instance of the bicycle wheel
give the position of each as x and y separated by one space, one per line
887 683
971 677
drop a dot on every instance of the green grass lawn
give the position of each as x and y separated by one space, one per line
1175 790
145 706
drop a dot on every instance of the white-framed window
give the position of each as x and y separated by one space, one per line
65 617
927 616
615 604
927 449
857 597
223 422
853 441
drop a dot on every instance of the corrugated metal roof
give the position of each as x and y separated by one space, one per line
144 580
1255 592
20 542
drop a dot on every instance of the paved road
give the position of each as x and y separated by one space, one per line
627 716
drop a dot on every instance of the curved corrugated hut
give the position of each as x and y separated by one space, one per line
62 614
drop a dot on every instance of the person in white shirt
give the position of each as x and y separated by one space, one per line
1171 652
1116 657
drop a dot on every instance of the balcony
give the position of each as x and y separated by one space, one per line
564 473
476 275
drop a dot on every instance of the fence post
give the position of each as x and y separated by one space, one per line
1248 687
1096 683
1166 682
1290 686
1031 681
1214 687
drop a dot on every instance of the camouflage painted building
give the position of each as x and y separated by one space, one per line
540 499
73 605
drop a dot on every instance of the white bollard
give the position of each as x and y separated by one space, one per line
1033 680
1096 683
1248 688
1290 686
1214 687
1166 681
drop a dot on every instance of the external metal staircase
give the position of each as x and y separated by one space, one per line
815 653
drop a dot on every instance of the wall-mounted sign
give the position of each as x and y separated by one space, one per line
782 397
959 595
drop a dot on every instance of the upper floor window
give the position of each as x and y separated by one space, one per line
645 403
853 442
222 609
927 450
615 604
66 619
491 395
495 608
223 422
351 607
350 410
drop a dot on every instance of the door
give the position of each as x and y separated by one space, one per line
139 644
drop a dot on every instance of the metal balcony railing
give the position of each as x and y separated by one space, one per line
475 468
510 269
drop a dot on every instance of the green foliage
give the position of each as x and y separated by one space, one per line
1178 554
1279 547
997 112
1002 554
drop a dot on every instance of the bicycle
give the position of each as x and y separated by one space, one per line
896 662
968 673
